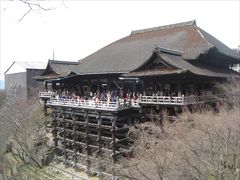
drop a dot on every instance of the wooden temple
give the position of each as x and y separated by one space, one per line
94 100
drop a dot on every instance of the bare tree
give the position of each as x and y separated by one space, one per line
39 6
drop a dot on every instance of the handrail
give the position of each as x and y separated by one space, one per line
46 94
161 100
89 103
175 100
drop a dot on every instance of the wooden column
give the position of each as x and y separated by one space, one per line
109 84
99 145
144 88
179 89
162 89
98 87
61 86
54 86
134 86
113 138
74 140
113 145
87 141
46 83
55 133
45 106
99 133
122 89
90 85
64 137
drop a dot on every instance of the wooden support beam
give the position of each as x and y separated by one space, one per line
99 133
113 139
74 141
87 141
99 152
121 89
64 138
144 88
179 89
55 133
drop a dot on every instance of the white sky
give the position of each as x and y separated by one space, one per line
83 27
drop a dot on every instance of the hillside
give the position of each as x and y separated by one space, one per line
200 145
203 144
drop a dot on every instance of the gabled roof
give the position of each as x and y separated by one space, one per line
26 65
179 65
130 52
56 69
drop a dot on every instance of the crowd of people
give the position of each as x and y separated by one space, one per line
108 96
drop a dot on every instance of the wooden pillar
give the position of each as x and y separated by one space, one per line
113 139
55 133
61 86
64 138
54 86
179 89
98 87
134 87
99 145
74 140
45 106
109 84
163 88
90 85
99 133
144 88
46 85
122 89
113 145
87 141
152 87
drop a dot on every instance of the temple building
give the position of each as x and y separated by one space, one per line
137 77
19 79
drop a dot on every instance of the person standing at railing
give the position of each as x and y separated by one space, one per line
108 98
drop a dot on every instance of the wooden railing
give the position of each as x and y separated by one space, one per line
135 103
157 100
167 100
89 103
45 94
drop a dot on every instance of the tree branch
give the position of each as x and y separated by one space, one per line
33 5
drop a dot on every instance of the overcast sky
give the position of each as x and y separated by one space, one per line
79 28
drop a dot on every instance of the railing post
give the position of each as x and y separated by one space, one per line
183 99
117 103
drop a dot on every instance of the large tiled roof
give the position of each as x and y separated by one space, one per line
132 51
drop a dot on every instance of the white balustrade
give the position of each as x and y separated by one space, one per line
88 103
176 100
45 94
121 103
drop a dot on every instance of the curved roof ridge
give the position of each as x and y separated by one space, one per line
187 23
168 50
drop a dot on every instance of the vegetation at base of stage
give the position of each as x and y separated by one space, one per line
202 144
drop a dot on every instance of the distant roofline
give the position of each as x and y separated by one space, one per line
21 62
64 62
187 23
